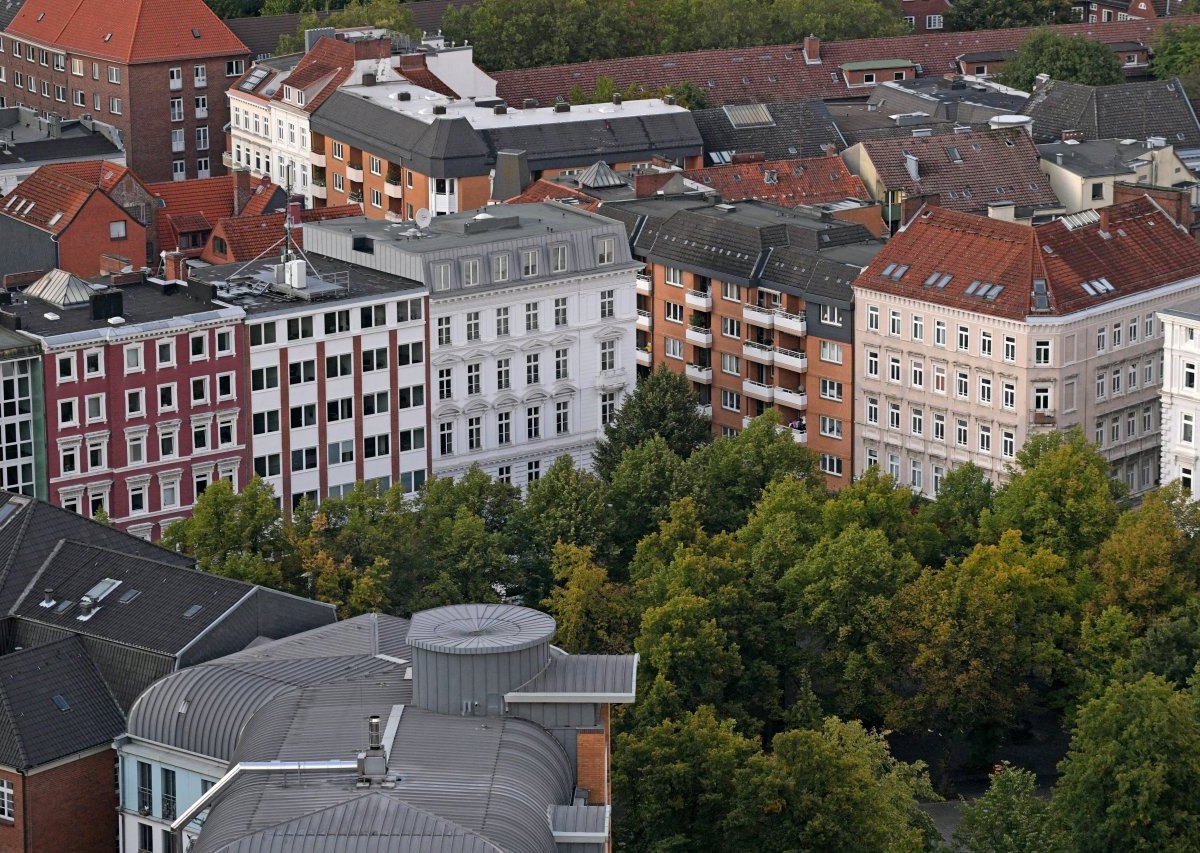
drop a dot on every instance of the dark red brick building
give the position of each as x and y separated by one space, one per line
161 66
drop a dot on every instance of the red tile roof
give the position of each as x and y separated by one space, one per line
810 180
331 60
104 174
191 206
544 190
128 31
1135 246
57 197
968 170
249 237
780 72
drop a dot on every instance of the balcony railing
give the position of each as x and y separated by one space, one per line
795 324
1044 418
699 336
643 319
643 356
696 373
758 390
643 283
791 359
764 317
761 353
699 300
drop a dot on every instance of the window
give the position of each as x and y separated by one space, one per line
731 291
894 466
533 369
960 432
375 446
533 472
474 379
961 385
408 310
339 184
1187 429
371 316
933 22
66 368
985 390
868 79
673 312
894 368
1041 353
831 352
916 374
145 838
606 251
608 355
445 380
266 422
894 323
409 397
608 407
916 474
135 449
299 328
443 331
560 312
135 403
531 316
341 452
985 438
607 303
893 416
471 272
985 344
1041 398
301 372
872 364
873 410
731 328
377 403
831 465
66 412
1008 398
731 400
873 318
561 361
558 258
114 106
500 268
339 365
1189 374
939 333
200 436
268 466
1098 191
166 395
529 263
304 459
1149 328
93 363
503 374
68 459
831 390
114 74
262 334
831 427
504 428
1116 334
339 410
831 315
562 417
918 328
168 794
235 67
94 408
177 109
939 427
199 76
502 322
964 339
145 782
533 422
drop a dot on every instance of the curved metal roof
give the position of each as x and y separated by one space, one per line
479 629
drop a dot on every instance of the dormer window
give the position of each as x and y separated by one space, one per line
300 97
288 93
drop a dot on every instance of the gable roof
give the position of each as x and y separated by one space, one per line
53 703
104 174
968 170
199 204
812 180
261 33
131 31
1134 246
249 236
545 190
330 61
48 199
1132 110
780 72
795 129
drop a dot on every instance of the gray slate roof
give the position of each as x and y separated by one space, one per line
1123 111
801 129
261 34
34 683
1095 157
8 11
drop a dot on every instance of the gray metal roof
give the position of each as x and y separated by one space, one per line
476 629
53 703
582 678
203 709
579 819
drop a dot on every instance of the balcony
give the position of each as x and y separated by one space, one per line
699 336
178 145
354 172
756 352
227 160
643 357
201 112
643 283
643 320
696 373
800 436
355 196
1045 418
764 317
393 190
793 324
176 84
200 81
319 191
791 359
614 378
758 390
698 299
704 410
791 398
317 158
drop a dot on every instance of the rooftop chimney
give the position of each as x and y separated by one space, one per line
439 109
812 49
175 266
1072 135
375 742
241 190
911 164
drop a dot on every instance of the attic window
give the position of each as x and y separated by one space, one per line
944 280
933 276
1009 143
63 606
192 611
54 219
129 596
954 155
888 269
107 37
899 272
195 33
61 703
41 15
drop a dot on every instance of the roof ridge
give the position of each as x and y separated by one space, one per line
34 579
11 720
12 556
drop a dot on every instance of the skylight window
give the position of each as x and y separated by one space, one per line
61 703
954 155
972 287
889 269
945 279
900 271
195 33
192 611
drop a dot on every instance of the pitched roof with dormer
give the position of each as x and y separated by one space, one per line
1133 110
49 199
1005 269
130 31
198 204
250 236
104 174
968 170
810 180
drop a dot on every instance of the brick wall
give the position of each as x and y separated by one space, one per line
591 746
87 238
44 824
12 833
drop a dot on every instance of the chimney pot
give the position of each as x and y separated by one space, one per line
373 731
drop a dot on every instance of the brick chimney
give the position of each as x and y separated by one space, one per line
1072 135
380 48
241 190
176 268
812 50
749 157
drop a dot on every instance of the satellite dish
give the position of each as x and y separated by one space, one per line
424 217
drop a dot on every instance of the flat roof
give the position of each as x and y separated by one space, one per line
867 65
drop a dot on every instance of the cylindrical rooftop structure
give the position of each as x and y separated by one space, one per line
467 656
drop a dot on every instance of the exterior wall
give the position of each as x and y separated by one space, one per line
193 774
82 243
273 452
1123 420
874 76
250 133
592 764
84 781
26 249
582 389
988 68
109 485
1077 193
1180 397
22 427
151 115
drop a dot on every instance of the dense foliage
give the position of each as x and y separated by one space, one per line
783 628
1000 14
1074 59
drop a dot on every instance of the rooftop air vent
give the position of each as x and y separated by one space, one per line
439 109
562 107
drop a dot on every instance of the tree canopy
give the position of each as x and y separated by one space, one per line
1177 54
1001 14
1074 59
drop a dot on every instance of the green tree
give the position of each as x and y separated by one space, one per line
663 404
875 502
836 788
1009 818
965 493
1074 59
353 590
1001 14
1131 777
386 14
1062 496
839 606
235 534
728 476
676 782
785 523
594 615
1106 641
980 636
1177 54
833 20
641 489
1170 647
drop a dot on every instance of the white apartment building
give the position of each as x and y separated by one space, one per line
532 315
1180 393
973 334
337 374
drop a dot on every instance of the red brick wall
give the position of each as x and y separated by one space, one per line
43 824
592 761
86 238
